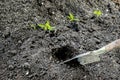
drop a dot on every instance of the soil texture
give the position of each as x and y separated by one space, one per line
28 54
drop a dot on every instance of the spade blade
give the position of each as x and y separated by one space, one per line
88 59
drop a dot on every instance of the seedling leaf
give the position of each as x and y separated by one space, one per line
71 17
41 25
98 13
46 26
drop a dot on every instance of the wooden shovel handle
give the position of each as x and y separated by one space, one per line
113 45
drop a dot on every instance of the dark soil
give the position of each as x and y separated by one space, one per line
28 54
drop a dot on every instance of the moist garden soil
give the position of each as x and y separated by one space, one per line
28 54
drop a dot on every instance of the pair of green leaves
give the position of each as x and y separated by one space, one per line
71 17
97 13
46 26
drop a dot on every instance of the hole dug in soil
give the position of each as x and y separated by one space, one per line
65 52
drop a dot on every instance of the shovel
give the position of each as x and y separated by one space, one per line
93 56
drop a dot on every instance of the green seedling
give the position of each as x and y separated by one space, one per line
97 13
71 17
46 26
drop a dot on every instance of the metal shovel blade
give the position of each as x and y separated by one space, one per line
88 59
85 58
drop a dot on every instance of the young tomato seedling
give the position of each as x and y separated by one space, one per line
71 17
97 13
46 26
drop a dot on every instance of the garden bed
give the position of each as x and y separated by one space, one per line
28 54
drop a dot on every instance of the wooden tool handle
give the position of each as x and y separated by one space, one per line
113 45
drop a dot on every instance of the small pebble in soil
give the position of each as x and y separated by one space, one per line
50 57
27 72
13 52
19 41
26 65
58 62
51 11
85 77
6 32
40 2
11 67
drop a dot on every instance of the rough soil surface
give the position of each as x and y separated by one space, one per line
28 54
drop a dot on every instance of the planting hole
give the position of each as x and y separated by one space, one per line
65 52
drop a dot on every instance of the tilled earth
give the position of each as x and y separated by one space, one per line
28 54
